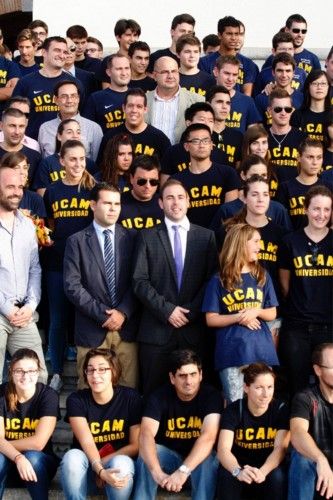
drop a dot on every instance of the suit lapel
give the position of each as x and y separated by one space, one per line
190 245
164 237
95 248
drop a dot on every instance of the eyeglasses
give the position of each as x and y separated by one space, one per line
196 142
72 49
314 249
100 371
298 30
287 109
19 372
67 97
143 182
39 33
319 84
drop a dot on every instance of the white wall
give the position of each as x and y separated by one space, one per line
263 18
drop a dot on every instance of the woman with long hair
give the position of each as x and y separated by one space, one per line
238 302
117 159
328 142
28 416
253 441
105 419
305 269
312 115
67 204
50 168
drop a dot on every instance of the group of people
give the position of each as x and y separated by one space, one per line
190 206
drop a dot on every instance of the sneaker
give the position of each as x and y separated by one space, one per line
56 383
71 353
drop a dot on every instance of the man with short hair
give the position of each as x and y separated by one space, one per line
14 124
138 53
182 24
226 139
20 273
178 432
188 48
94 48
23 104
40 30
210 43
10 74
139 206
105 106
283 67
228 29
311 424
243 112
87 78
167 103
209 184
148 140
283 139
97 280
281 42
173 262
67 97
79 35
39 86
27 43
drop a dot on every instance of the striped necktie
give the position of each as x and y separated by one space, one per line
110 265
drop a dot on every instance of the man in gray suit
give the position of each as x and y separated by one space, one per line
173 262
168 102
97 280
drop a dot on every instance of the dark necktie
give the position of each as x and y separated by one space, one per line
109 265
178 255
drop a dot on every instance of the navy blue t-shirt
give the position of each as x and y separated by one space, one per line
33 202
146 83
326 178
283 151
266 76
243 112
136 214
305 60
105 108
198 83
8 70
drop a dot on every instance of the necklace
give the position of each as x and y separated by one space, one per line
275 139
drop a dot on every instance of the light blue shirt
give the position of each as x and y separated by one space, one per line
101 237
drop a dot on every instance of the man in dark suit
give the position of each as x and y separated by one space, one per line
97 280
173 262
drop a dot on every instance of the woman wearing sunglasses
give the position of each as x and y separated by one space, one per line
28 416
313 114
305 263
105 419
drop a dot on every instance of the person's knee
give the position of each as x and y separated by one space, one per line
37 459
301 464
123 463
73 464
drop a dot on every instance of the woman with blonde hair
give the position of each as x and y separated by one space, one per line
238 301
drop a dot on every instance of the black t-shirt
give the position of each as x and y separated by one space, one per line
136 214
181 421
254 435
327 160
22 423
146 83
110 422
311 405
207 191
284 158
198 83
229 141
292 194
176 159
310 296
310 122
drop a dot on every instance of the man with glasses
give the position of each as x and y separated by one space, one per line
167 103
209 184
20 273
173 262
283 139
67 97
139 206
97 280
87 78
311 424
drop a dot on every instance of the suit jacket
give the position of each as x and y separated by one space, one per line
186 98
86 287
155 282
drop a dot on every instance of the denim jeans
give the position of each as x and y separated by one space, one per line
59 310
203 477
232 381
302 478
78 479
45 467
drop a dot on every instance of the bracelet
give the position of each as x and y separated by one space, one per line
100 471
17 456
96 461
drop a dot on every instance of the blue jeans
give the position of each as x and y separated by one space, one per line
203 477
302 477
45 467
59 310
232 381
78 479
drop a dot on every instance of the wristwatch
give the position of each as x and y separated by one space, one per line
236 471
186 470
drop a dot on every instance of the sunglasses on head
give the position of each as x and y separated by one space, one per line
143 182
287 109
298 30
72 49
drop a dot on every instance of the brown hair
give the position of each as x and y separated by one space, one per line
10 391
87 180
109 163
253 371
317 191
110 356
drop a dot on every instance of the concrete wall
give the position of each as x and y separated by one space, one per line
263 18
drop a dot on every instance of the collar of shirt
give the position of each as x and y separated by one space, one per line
184 227
158 98
183 224
100 234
